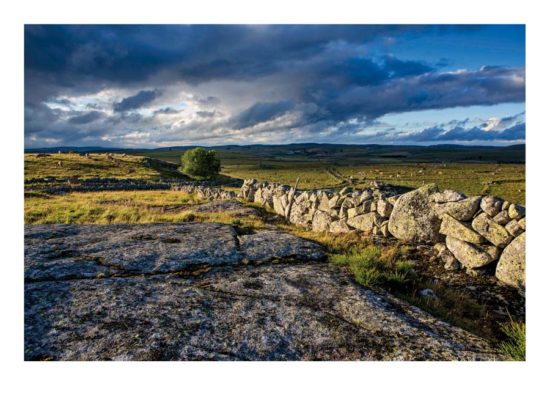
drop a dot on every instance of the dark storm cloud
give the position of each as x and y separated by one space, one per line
136 101
261 112
86 118
431 90
324 71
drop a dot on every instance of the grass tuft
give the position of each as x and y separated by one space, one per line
514 346
372 266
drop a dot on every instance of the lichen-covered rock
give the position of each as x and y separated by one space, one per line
459 230
413 219
468 254
324 203
55 252
384 229
447 196
449 261
511 266
439 248
265 246
365 222
236 208
339 226
384 208
516 211
502 218
355 211
491 205
513 228
310 311
321 221
335 201
299 215
463 210
490 230
279 204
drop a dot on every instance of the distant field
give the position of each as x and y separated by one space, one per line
504 180
97 165
315 168
471 170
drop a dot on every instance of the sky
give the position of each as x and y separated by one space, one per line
174 85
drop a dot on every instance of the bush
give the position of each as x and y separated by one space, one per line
199 162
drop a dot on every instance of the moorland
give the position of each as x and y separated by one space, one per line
476 304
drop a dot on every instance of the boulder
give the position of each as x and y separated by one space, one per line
339 226
365 222
511 266
321 221
413 219
505 205
459 230
521 223
491 205
490 230
468 254
463 210
516 211
384 208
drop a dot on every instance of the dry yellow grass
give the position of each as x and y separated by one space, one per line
97 165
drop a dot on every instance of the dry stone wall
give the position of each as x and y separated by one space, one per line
482 235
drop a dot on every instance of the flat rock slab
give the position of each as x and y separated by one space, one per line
269 312
134 303
236 208
58 252
267 246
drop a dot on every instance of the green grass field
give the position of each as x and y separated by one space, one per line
315 169
473 171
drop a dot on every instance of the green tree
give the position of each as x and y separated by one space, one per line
199 162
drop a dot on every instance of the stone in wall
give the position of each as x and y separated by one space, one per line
511 266
459 230
463 210
490 230
491 205
413 219
365 222
339 226
321 221
470 255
